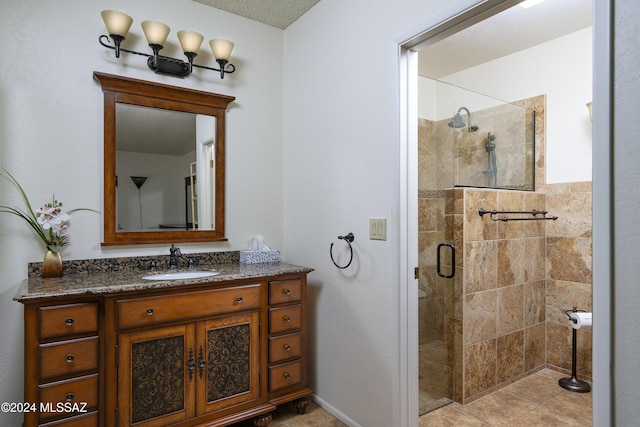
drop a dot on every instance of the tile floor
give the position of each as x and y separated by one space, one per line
534 401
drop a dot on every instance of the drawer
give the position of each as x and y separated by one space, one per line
84 420
81 393
139 312
70 319
285 375
285 291
284 319
68 357
284 347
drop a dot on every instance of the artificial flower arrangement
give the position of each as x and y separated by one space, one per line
49 222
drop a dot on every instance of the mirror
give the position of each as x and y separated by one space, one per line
164 163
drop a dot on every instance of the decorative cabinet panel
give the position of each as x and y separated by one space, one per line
156 376
212 353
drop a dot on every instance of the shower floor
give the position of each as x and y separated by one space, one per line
433 382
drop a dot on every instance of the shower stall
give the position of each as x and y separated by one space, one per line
465 139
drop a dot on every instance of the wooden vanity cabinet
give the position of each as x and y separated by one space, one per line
210 354
62 363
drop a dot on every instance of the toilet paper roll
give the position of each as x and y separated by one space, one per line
580 319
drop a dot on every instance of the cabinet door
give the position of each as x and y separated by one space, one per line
156 376
229 368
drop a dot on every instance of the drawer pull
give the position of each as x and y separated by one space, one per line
287 292
287 347
286 376
287 319
69 397
239 300
69 321
149 311
70 358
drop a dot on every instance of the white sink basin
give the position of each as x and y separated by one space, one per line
180 275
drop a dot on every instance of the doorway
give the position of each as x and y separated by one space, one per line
421 43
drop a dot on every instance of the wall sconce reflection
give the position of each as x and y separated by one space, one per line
156 33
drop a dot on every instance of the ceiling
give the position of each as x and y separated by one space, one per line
508 32
277 13
475 45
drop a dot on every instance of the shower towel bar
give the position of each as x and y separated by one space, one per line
534 212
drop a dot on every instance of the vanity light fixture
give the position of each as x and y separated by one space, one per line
118 25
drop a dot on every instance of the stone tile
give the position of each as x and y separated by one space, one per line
478 227
559 341
480 367
563 296
510 308
427 214
534 388
449 417
498 408
479 316
511 261
534 228
569 259
510 361
287 416
481 265
534 265
574 214
535 302
534 346
510 201
543 417
577 406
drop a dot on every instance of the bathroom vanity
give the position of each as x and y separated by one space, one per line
113 349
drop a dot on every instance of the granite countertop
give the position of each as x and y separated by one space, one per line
104 283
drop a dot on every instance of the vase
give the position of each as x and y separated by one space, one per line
52 265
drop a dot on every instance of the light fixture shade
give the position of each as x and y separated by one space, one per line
190 40
589 106
155 32
117 23
221 48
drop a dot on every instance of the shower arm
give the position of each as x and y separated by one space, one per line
469 125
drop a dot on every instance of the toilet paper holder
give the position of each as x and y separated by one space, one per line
572 383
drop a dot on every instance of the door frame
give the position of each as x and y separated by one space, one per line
408 191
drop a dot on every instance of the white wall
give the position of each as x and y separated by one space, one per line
561 69
51 132
341 133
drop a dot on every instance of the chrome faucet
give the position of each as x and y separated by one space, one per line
173 254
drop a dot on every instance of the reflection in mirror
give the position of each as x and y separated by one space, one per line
170 149
164 149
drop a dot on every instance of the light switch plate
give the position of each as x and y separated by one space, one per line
378 228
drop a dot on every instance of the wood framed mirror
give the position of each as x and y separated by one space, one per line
155 138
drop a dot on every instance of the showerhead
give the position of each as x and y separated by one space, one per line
457 122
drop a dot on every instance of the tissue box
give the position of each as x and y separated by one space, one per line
251 257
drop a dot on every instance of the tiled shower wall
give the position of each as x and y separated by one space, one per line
513 282
569 273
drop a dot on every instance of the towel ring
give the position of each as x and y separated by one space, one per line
348 238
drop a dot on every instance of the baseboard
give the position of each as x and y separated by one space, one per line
333 411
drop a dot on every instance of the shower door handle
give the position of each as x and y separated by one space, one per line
453 261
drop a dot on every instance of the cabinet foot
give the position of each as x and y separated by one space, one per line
262 420
301 405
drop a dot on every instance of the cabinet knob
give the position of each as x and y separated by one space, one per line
239 300
69 321
69 397
287 347
287 319
287 292
70 358
286 376
149 311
